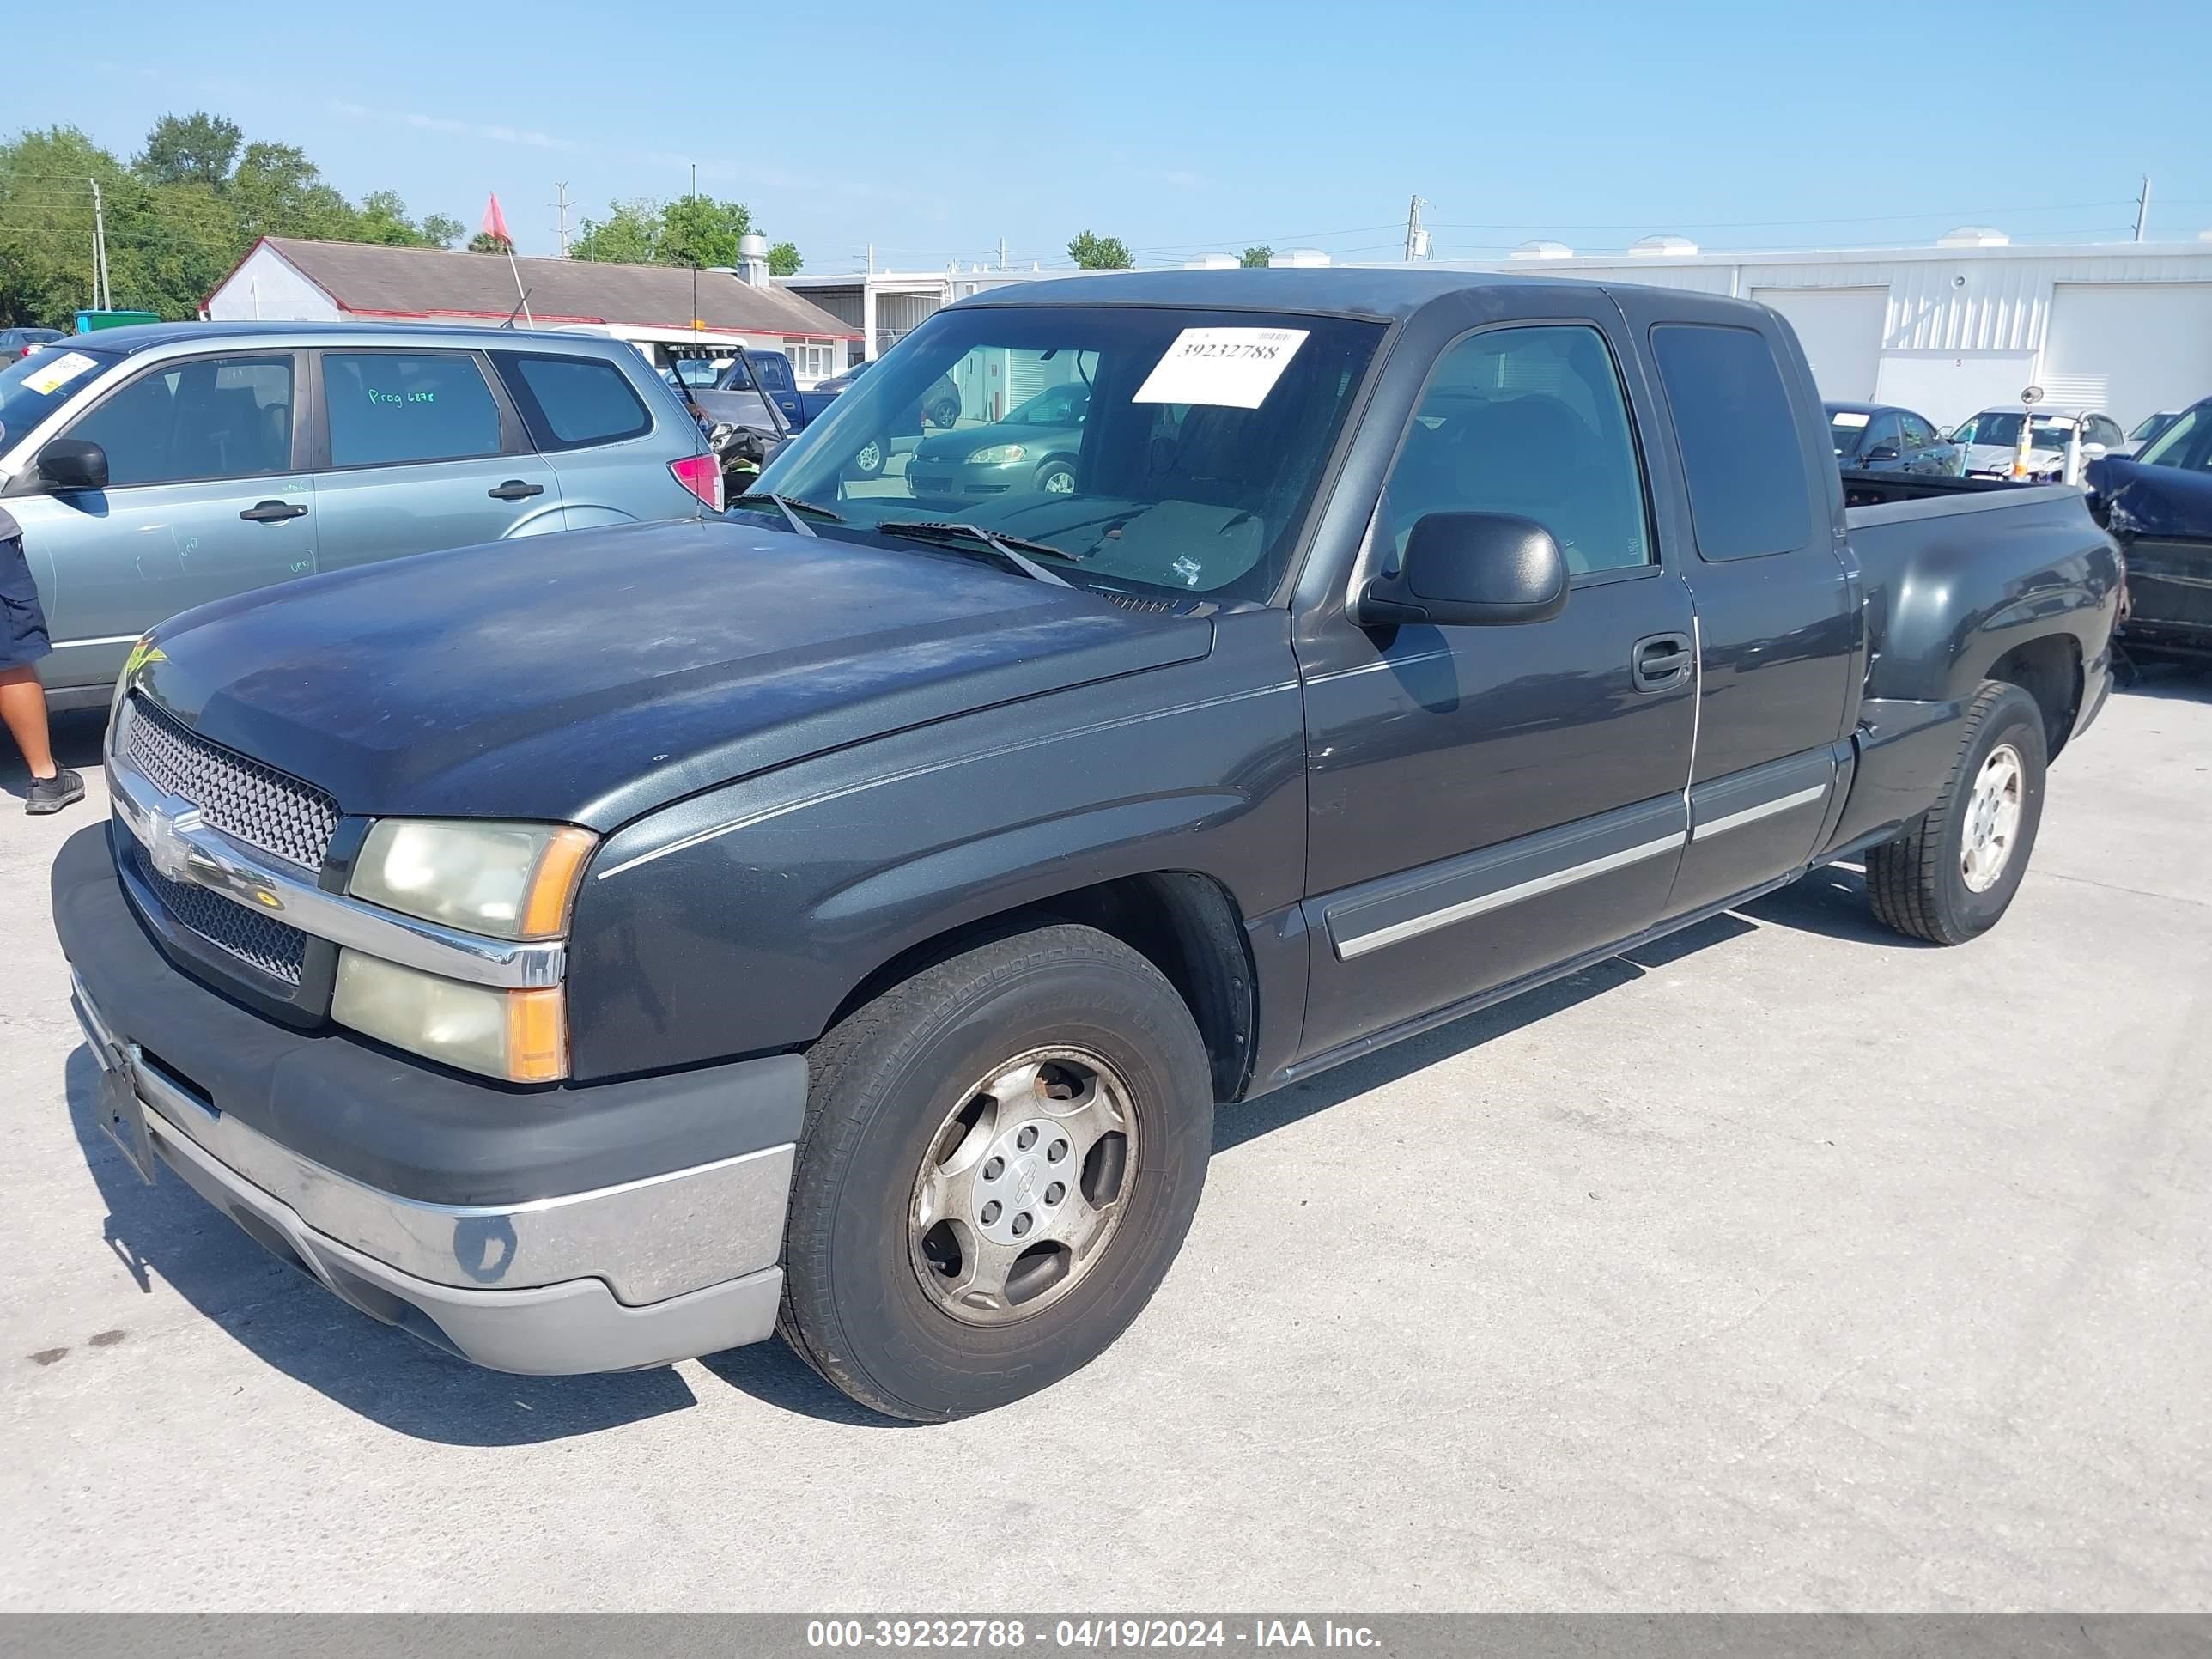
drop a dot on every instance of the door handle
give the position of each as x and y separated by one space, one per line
515 490
273 512
1661 662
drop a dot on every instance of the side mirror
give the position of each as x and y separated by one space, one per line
1880 453
1469 569
74 463
2094 452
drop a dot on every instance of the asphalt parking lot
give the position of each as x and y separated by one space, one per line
1789 1266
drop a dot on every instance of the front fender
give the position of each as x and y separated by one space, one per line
738 921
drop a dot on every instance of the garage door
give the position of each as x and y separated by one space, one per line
1840 329
2130 348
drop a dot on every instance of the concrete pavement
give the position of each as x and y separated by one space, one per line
1789 1266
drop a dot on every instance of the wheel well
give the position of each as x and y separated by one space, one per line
1185 925
2050 670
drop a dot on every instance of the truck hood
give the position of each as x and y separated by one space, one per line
592 676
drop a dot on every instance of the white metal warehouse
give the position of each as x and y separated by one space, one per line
2123 327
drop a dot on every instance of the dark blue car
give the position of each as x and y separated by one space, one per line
1883 438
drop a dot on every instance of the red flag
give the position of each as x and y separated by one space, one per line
494 222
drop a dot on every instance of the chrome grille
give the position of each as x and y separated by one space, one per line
270 947
258 804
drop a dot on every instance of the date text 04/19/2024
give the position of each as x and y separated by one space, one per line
995 1635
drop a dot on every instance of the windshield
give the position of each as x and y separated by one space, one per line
2002 428
695 371
1163 448
32 388
2151 425
1847 427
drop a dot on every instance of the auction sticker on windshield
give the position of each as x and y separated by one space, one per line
1224 367
49 378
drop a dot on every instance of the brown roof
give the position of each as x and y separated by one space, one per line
369 280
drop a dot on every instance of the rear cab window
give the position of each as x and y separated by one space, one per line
390 408
570 402
1750 494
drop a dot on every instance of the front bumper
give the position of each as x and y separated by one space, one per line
516 1230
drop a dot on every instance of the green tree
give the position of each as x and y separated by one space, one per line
698 230
1093 252
178 219
628 235
1256 255
484 243
189 149
691 230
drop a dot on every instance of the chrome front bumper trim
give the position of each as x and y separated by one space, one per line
648 1240
184 848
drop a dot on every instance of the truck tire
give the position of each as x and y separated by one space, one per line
1001 1157
1949 877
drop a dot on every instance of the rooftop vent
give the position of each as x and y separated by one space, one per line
1974 236
752 260
1212 262
1542 251
1303 258
1667 247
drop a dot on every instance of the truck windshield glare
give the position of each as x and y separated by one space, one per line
1176 449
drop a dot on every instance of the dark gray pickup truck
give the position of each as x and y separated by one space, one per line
619 946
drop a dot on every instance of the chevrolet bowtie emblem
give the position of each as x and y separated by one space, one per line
167 849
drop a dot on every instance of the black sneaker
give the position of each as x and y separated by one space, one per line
64 788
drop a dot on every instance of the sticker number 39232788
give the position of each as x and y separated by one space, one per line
1228 368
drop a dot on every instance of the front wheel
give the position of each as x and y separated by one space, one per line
1950 877
868 461
1002 1158
1056 479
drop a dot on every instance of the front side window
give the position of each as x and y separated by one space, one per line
1157 447
574 401
1918 432
214 417
1885 434
1529 421
2186 443
387 408
1737 434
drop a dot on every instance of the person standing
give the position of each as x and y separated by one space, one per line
22 698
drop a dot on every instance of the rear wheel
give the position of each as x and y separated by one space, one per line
1950 877
1002 1155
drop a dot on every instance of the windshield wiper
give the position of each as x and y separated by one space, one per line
1013 548
791 507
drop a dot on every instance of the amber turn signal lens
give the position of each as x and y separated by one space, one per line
553 884
537 1036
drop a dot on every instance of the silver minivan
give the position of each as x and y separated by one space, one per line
156 468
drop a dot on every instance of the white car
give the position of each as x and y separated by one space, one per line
1991 439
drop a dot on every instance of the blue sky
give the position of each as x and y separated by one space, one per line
933 130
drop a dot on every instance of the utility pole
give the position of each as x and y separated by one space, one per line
561 206
1002 254
2142 209
101 292
1417 240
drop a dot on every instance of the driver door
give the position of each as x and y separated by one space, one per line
1487 802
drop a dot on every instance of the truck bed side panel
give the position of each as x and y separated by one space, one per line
1954 582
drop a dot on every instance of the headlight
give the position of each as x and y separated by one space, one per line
520 1035
512 880
997 455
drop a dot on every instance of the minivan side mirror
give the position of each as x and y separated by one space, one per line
1469 569
73 464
